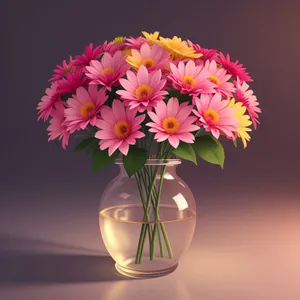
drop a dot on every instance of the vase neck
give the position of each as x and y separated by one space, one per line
156 166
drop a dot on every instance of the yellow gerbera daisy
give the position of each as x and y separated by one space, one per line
244 121
152 38
178 48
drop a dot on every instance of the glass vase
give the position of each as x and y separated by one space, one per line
147 221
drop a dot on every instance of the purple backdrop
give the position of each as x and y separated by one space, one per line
39 178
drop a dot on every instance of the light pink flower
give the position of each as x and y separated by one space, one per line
84 107
108 71
72 82
233 68
142 90
88 55
190 79
135 43
249 100
220 77
57 127
48 101
215 116
152 57
173 122
61 71
119 128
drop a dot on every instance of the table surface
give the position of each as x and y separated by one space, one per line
244 248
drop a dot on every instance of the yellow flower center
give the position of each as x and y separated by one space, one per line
126 52
170 125
119 40
107 71
122 129
87 108
211 116
148 62
214 79
67 69
143 91
188 81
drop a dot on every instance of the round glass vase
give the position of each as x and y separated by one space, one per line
147 221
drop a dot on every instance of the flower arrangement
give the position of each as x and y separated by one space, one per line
150 97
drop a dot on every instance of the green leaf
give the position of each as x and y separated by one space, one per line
199 131
101 159
235 143
210 149
84 144
186 151
65 97
134 160
181 97
92 147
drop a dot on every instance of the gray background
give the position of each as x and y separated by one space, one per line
49 197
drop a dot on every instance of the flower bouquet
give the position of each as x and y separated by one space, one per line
150 97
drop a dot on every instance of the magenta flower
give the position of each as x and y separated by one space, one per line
108 71
190 79
233 68
220 78
48 101
173 122
249 100
84 107
57 127
88 55
72 82
207 54
119 128
215 115
61 71
142 90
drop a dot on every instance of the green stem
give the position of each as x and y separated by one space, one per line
151 145
145 226
143 232
164 150
161 249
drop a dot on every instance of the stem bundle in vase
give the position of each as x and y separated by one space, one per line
131 95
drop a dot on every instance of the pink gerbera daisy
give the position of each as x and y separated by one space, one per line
220 77
173 122
215 115
190 79
118 44
152 57
108 71
249 100
84 107
142 90
88 55
72 82
135 43
48 101
233 68
207 54
57 127
119 128
61 71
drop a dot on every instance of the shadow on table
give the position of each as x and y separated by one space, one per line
19 266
